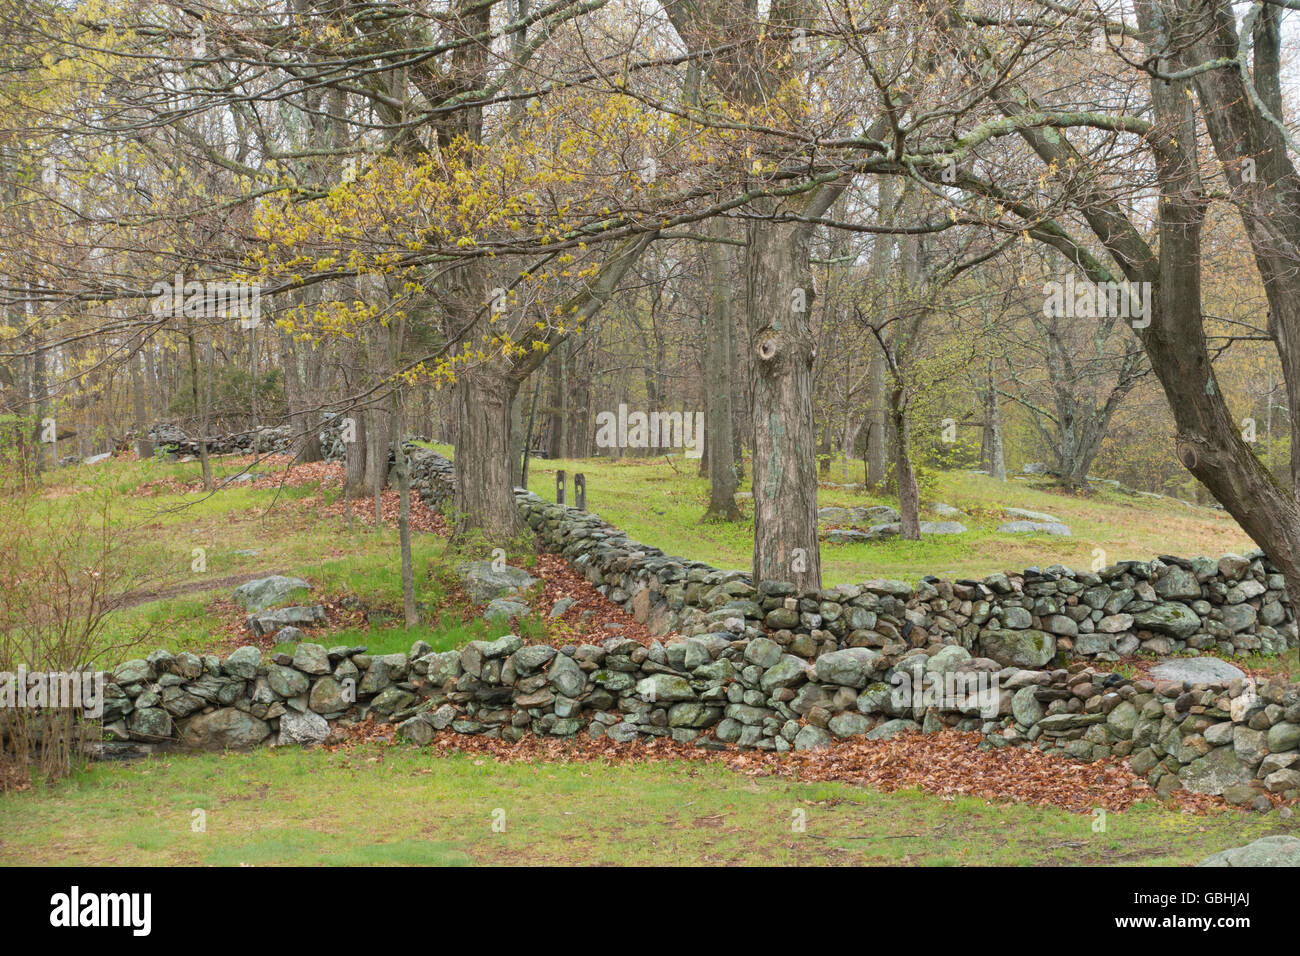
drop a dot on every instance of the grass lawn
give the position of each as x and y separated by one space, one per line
660 503
245 532
401 805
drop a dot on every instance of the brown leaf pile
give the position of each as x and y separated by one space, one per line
560 580
423 518
946 764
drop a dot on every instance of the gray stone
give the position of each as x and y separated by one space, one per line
1197 670
485 580
1025 707
328 697
848 724
243 662
1035 527
151 723
664 688
1214 772
268 622
1266 851
311 659
891 728
225 729
948 659
566 677
789 671
302 727
504 609
285 681
1178 584
264 592
811 738
1283 736
851 667
1171 618
1027 648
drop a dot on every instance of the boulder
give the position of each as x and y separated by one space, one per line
302 727
264 592
1172 617
1027 648
485 580
1035 527
225 729
1197 670
1266 851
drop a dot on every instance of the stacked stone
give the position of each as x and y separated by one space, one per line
1234 606
433 477
715 689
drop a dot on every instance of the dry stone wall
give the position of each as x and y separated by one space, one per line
1018 658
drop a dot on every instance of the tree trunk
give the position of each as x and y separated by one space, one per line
402 471
355 456
993 430
484 496
909 495
719 345
779 300
882 254
200 408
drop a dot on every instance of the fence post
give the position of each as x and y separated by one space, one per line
559 487
580 491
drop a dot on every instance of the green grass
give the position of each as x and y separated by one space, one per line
660 503
404 805
657 501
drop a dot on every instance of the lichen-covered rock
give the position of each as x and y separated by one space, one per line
1023 648
225 729
302 727
264 592
1214 772
1266 851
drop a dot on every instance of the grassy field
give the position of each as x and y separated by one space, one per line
659 503
243 532
400 805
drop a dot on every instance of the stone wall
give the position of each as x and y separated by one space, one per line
771 669
1233 606
714 689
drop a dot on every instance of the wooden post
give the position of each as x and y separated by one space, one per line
580 491
559 487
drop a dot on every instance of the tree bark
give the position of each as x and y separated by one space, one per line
200 408
484 499
779 301
909 495
719 344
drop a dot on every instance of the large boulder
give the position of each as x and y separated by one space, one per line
264 592
225 729
1215 772
1266 851
485 580
1035 527
268 622
851 667
1196 670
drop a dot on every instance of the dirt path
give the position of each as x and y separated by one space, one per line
146 595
